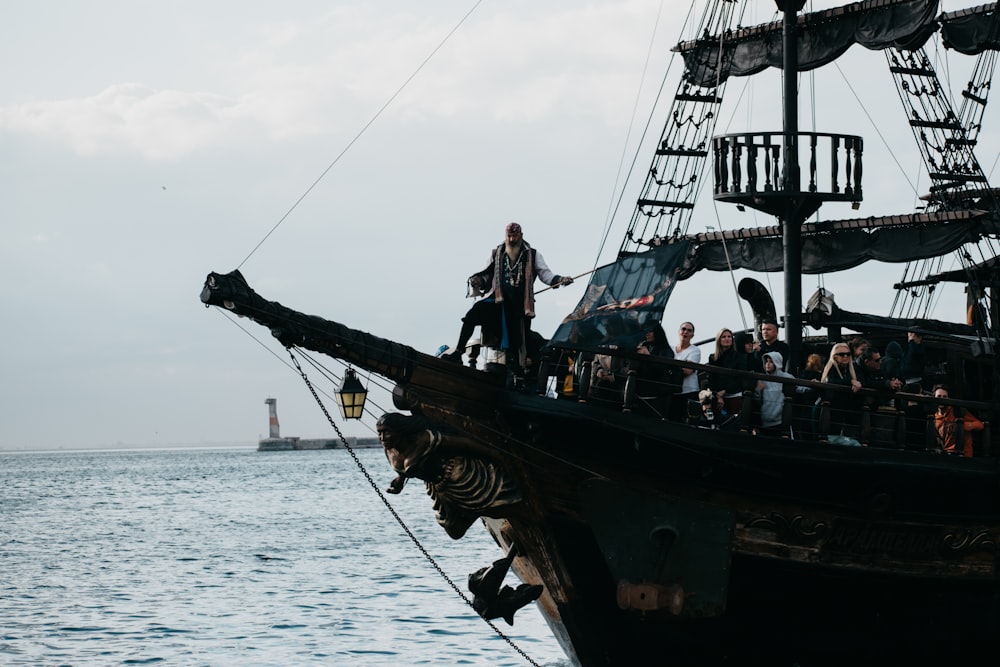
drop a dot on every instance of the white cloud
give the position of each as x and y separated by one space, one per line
321 77
146 146
127 117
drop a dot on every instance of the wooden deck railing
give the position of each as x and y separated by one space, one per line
749 167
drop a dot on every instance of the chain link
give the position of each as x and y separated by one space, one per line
395 514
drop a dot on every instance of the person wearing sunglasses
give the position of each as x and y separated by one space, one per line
845 408
869 372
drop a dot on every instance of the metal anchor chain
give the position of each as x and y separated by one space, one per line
396 516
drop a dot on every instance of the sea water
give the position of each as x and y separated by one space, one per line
238 557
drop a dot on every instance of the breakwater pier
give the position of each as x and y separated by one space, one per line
276 443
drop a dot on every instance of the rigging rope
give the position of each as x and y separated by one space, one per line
397 517
612 205
875 127
328 373
280 359
360 132
672 182
297 366
715 205
639 144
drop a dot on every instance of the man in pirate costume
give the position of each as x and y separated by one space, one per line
508 302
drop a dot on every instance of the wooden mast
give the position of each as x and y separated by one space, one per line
792 217
762 170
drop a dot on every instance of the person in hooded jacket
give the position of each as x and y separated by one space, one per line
892 360
771 395
657 383
914 357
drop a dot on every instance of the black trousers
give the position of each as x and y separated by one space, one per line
486 314
492 317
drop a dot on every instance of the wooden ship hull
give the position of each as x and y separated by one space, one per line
664 543
660 541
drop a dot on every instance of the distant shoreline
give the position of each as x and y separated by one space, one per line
130 448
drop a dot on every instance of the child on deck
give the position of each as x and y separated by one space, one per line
771 395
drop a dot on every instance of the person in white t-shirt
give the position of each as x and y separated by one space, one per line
685 351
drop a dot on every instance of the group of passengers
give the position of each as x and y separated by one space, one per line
661 388
854 365
859 365
670 391
740 352
507 306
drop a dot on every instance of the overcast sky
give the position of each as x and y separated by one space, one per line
146 144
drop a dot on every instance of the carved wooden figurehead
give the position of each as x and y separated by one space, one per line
460 474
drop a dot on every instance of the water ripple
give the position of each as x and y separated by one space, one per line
234 557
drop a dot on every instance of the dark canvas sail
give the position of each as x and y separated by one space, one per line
972 31
823 37
832 246
655 526
623 297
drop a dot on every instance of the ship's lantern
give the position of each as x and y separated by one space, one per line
351 396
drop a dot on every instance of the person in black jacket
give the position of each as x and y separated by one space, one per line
508 303
892 361
769 343
729 353
868 369
914 357
845 406
656 383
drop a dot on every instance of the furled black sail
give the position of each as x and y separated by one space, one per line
972 31
837 245
823 37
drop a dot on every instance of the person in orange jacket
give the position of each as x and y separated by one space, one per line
944 426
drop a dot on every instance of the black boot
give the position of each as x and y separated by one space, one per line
463 340
474 356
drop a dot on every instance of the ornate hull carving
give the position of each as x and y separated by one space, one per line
458 472
888 546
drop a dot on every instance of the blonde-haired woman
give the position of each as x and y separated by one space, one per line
845 409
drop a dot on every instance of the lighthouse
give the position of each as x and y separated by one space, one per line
272 413
275 443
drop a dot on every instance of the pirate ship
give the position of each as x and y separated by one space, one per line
662 541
